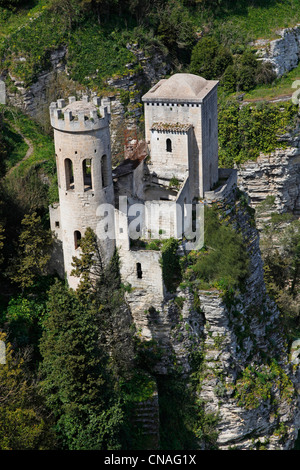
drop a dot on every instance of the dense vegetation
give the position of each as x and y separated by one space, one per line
247 131
222 263
75 370
91 29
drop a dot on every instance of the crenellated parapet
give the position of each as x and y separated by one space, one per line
79 116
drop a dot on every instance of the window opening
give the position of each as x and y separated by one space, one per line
87 174
104 171
77 238
69 174
169 145
139 271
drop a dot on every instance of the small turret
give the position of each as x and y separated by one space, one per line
79 116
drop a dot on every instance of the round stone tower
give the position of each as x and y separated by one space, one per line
83 159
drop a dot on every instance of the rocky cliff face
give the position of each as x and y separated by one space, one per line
283 52
276 174
247 379
256 399
55 82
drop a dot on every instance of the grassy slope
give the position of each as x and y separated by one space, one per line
96 52
280 88
260 20
43 147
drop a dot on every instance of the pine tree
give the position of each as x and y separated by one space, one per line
34 252
23 425
76 381
100 283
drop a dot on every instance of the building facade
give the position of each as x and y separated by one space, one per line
179 166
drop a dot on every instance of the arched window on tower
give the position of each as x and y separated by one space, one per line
169 145
87 174
77 238
69 174
104 171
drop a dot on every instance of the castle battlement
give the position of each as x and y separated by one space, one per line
79 116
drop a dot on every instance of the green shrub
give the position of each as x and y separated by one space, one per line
209 59
223 262
246 131
170 264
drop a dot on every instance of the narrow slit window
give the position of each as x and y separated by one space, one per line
169 145
139 271
69 174
87 174
77 238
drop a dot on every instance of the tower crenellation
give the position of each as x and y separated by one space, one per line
79 116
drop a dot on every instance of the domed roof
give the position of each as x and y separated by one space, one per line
180 86
183 85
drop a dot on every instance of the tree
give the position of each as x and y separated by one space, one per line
23 425
101 283
22 319
13 4
203 57
89 266
76 381
100 7
69 9
209 58
176 30
34 252
229 79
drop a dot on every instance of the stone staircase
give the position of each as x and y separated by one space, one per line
147 420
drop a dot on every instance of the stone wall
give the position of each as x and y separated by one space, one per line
174 161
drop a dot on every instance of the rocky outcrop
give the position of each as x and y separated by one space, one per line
55 82
36 98
256 400
283 52
248 379
276 174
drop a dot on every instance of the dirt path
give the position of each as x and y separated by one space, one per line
28 153
270 100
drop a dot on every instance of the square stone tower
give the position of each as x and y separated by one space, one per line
181 128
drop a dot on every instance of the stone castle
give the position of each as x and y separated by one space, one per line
178 169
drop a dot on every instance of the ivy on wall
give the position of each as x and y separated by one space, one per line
246 131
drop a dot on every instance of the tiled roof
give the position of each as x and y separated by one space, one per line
172 127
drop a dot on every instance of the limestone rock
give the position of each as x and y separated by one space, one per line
283 52
276 174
